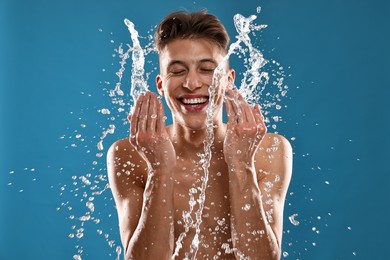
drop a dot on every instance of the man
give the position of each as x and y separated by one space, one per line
155 175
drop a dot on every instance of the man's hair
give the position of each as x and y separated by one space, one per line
196 25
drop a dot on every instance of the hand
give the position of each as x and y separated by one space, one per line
245 129
148 133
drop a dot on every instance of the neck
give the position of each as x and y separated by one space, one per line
190 140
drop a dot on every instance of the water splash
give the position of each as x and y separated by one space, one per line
254 79
138 83
244 27
124 56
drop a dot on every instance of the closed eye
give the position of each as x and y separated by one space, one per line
177 72
208 70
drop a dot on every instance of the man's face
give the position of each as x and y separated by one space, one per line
186 72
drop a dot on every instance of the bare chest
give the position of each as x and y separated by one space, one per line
202 208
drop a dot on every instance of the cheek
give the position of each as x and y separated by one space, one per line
223 85
168 91
207 79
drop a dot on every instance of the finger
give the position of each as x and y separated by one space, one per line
229 111
143 116
263 128
246 110
233 104
152 115
238 103
160 124
258 120
257 116
134 118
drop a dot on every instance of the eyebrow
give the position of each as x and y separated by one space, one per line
208 60
173 62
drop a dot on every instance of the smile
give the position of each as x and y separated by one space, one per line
194 103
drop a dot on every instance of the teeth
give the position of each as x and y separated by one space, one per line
190 101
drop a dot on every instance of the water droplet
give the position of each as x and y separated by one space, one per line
84 218
100 145
293 220
105 111
77 257
118 250
90 206
285 254
246 207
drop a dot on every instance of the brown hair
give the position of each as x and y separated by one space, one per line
184 25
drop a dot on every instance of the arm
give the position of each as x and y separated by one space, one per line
256 201
145 211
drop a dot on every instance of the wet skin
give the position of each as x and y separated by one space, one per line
153 170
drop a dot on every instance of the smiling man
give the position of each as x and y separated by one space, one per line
156 172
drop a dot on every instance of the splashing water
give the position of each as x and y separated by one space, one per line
244 27
254 81
138 83
84 191
253 77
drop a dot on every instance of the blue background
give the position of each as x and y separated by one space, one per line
53 67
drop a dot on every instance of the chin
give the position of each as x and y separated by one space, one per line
193 123
195 127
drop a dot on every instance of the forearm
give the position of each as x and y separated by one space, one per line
154 237
252 235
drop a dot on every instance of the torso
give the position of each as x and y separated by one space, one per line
215 227
215 232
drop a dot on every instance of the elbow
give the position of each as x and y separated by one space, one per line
276 255
276 252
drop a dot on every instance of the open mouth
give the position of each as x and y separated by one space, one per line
194 103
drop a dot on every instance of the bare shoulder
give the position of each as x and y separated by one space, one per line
274 158
276 144
121 150
125 167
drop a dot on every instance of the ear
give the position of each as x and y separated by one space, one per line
159 85
231 76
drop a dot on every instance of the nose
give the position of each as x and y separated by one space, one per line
192 81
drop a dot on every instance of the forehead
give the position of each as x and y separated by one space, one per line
190 51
